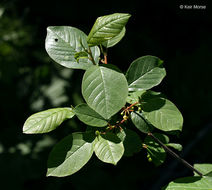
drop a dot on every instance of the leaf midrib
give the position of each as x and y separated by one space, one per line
44 118
105 25
69 156
141 77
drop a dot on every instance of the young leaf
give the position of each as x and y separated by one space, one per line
140 122
80 55
107 27
64 42
46 121
190 183
70 154
109 148
113 41
203 168
163 114
104 90
145 73
132 143
89 116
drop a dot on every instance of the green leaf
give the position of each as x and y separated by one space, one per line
46 121
109 148
64 42
203 168
134 97
155 151
70 154
132 143
190 183
145 73
107 27
80 55
89 116
104 90
113 41
175 146
163 114
140 122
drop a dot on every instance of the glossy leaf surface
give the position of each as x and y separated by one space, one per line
107 27
145 73
70 154
46 121
104 90
89 116
64 42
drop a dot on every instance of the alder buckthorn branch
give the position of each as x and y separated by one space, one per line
175 155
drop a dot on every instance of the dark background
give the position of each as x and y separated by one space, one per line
30 81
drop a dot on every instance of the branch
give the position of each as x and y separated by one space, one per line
175 155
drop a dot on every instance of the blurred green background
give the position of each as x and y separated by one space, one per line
30 82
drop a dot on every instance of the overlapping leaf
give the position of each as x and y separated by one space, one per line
145 73
70 154
62 44
113 41
104 90
89 116
163 114
132 143
46 121
109 148
140 122
106 28
134 97
155 151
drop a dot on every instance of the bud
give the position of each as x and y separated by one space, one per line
125 117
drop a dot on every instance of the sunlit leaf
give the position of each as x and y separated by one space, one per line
106 28
46 121
104 90
70 154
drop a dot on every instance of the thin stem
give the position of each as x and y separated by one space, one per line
127 108
90 53
175 155
105 57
